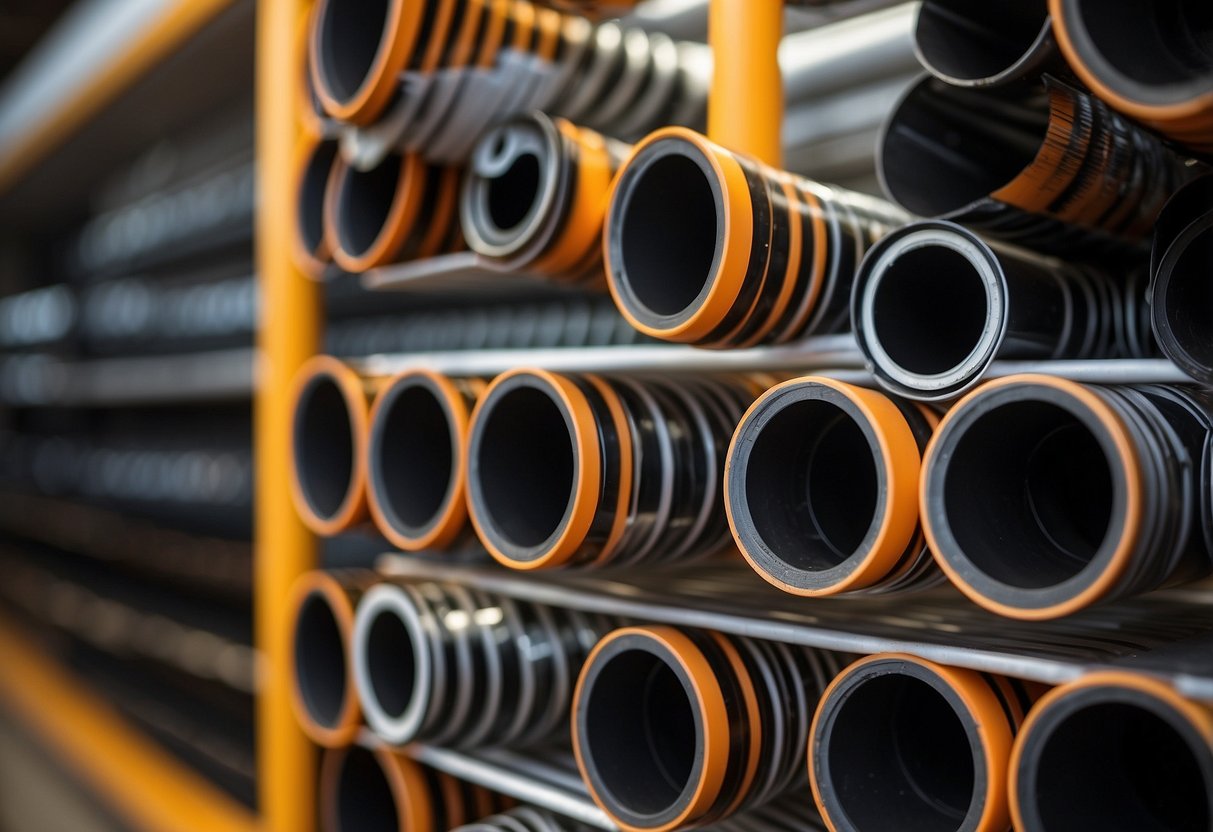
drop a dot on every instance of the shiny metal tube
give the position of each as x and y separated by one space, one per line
1121 750
752 255
1181 303
934 305
1042 497
582 469
821 489
1056 169
899 743
680 728
451 666
416 471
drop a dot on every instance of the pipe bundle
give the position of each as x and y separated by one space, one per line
821 489
901 743
535 197
676 728
1054 169
934 304
751 255
458 667
436 74
1181 305
1043 496
587 469
1117 751
364 789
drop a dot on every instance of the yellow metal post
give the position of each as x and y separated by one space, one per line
289 332
745 104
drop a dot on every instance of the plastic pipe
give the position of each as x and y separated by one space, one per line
1181 302
309 245
986 44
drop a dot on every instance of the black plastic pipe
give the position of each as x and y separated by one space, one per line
986 44
309 246
1114 751
678 728
822 489
934 305
902 743
1181 290
322 679
1054 169
415 469
582 469
1152 61
707 247
1043 496
456 667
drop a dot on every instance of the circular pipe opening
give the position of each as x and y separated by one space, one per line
812 485
364 203
312 189
1161 44
320 661
364 797
667 234
512 195
324 446
350 35
1187 305
930 309
968 41
415 453
1118 766
640 730
899 757
390 657
1028 494
524 466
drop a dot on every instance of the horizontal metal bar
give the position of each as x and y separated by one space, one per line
941 625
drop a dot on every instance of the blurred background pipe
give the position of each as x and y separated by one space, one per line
656 756
1042 496
535 198
821 489
1054 169
1119 750
329 436
310 245
416 459
322 678
903 743
986 44
582 469
753 255
934 305
378 790
1151 61
452 666
1181 293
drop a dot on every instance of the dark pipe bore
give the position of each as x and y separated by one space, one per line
349 35
364 203
363 794
523 466
311 196
391 662
899 757
668 253
983 43
324 446
414 454
511 196
1116 759
1188 306
320 662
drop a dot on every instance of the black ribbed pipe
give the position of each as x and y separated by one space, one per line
452 666
1044 496
1114 751
666 719
934 305
1182 291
